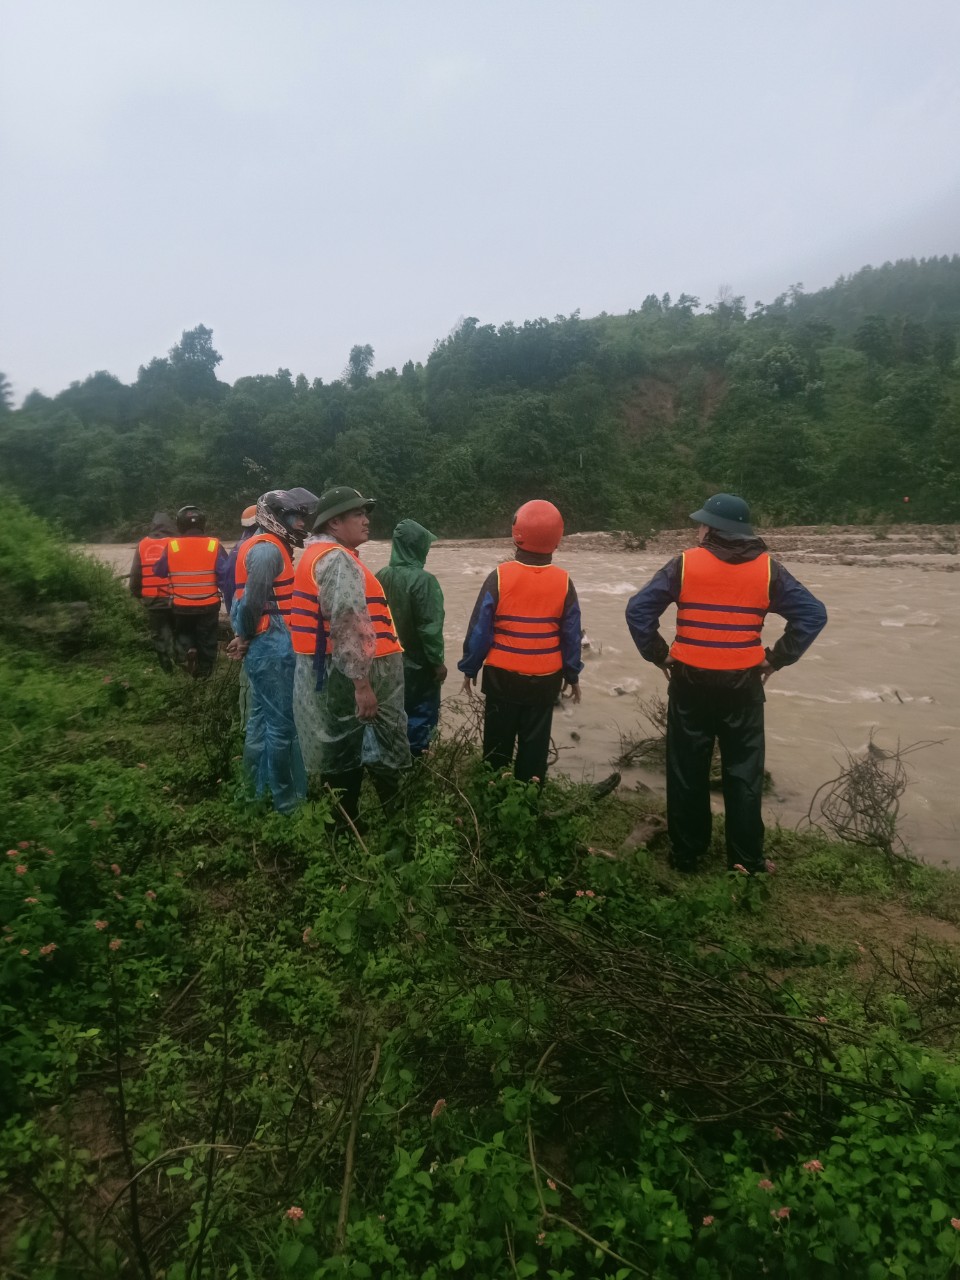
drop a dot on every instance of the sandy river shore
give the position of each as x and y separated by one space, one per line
886 665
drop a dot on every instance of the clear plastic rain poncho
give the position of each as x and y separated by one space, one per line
332 737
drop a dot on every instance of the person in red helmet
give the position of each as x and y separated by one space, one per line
525 633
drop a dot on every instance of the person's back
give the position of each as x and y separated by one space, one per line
414 594
717 667
155 591
228 587
415 600
525 634
194 563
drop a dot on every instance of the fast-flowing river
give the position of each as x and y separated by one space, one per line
887 664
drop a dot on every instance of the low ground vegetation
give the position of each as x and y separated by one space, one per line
235 1045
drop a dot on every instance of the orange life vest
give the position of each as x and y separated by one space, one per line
720 612
152 587
192 563
526 625
306 625
281 596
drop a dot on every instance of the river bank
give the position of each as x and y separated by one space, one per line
885 667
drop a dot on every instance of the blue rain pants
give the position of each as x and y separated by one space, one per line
271 749
422 720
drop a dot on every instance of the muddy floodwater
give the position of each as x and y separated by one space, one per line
886 665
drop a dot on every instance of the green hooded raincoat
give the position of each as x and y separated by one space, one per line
416 602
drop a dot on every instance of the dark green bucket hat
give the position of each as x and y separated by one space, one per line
334 502
726 513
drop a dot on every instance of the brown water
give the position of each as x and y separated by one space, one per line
886 664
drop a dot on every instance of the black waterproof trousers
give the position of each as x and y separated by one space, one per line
695 721
160 622
348 785
524 725
197 629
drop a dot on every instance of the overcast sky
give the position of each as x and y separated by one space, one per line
302 176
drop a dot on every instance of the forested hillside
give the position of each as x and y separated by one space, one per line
835 406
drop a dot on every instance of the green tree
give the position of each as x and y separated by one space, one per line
6 394
911 400
782 370
194 363
915 342
875 340
944 348
36 402
813 335
359 364
101 398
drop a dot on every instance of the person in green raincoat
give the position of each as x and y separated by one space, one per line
416 603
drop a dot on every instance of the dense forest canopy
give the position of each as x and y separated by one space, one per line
836 406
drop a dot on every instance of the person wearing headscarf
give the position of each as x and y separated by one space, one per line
416 605
260 617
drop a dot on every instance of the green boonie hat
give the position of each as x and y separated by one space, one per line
334 502
727 513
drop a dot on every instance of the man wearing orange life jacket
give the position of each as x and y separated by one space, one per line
717 666
194 565
260 617
348 687
525 633
155 592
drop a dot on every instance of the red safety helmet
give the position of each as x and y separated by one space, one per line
538 527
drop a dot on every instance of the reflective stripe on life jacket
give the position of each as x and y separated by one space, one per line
280 598
193 572
308 630
720 612
526 625
152 587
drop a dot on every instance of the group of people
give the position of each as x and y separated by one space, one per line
343 668
180 574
